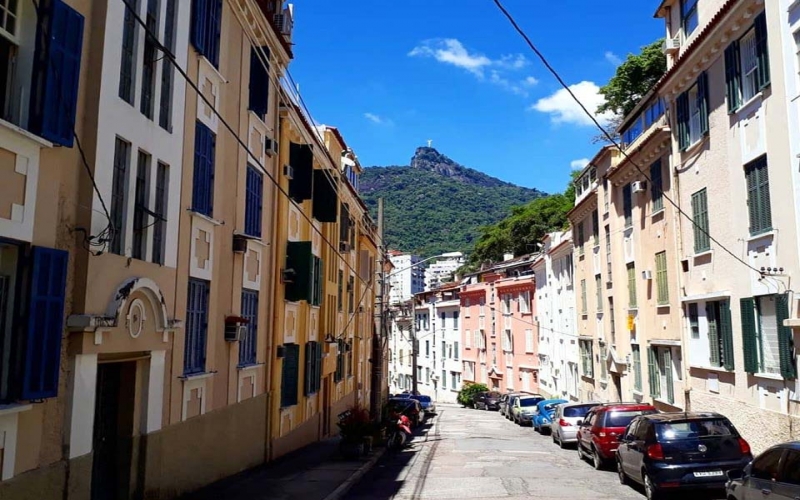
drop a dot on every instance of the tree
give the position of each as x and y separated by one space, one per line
633 79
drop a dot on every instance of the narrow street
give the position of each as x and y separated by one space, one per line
467 453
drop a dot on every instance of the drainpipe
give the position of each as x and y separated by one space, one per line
677 220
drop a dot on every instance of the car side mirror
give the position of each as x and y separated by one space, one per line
580 423
735 474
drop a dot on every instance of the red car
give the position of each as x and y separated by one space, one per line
600 430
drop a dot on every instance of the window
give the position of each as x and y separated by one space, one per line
595 228
702 240
253 198
747 65
482 306
608 252
316 281
612 321
313 368
194 360
247 344
494 354
627 205
587 358
455 320
119 191
637 367
689 19
599 290
580 238
654 377
468 339
509 378
631 286
444 349
529 341
583 298
768 345
127 75
160 215
204 158
351 294
656 186
150 59
338 375
791 468
525 302
290 374
692 113
603 362
427 348
167 69
797 52
507 341
720 333
466 308
767 465
758 200
455 350
259 81
479 339
140 221
662 285
444 379
9 17
694 324
606 192
340 291
206 22
402 358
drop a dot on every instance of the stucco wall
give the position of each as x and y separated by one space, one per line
48 482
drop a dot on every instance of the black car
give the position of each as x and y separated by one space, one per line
668 451
426 403
408 407
489 400
774 474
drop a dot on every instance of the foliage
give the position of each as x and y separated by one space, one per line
356 424
633 79
467 392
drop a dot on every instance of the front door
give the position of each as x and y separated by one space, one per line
113 431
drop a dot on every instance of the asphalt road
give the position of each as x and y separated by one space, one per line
465 454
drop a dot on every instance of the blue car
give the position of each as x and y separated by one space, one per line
544 414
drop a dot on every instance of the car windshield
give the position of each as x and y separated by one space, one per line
622 418
528 401
693 429
577 411
550 407
423 399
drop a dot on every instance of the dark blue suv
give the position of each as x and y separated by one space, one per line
668 451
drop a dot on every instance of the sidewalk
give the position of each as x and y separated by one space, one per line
316 472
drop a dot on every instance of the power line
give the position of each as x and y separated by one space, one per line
611 139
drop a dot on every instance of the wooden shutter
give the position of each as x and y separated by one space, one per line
713 333
290 374
206 25
627 205
326 198
631 286
785 338
762 51
726 333
637 367
301 159
254 188
203 177
317 281
662 278
56 72
45 323
749 334
702 101
732 75
300 259
196 327
765 205
652 367
702 240
259 82
758 198
668 370
318 366
682 112
656 186
247 345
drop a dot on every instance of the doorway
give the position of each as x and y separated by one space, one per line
326 407
615 378
113 431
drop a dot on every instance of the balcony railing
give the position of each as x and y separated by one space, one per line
648 116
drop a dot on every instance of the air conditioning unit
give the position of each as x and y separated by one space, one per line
638 186
288 171
344 246
647 275
270 146
672 45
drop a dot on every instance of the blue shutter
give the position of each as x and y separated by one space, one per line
196 327
259 83
203 181
206 24
247 345
45 323
253 202
56 73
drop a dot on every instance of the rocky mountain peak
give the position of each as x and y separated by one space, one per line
427 158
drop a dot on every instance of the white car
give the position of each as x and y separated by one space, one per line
564 427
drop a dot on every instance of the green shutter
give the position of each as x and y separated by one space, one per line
732 72
599 287
702 240
762 51
668 370
785 337
289 374
307 376
765 206
713 333
325 197
627 205
662 296
682 112
758 199
726 333
318 278
637 367
583 297
300 259
301 159
631 286
580 238
318 366
656 186
652 371
702 101
749 334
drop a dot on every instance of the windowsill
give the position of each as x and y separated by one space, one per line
250 237
205 217
204 59
772 233
744 108
704 253
28 135
660 211
663 306
693 147
197 376
637 392
634 309
13 408
251 367
719 369
769 376
596 247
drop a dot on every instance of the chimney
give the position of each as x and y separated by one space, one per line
507 256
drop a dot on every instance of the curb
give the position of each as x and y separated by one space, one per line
357 475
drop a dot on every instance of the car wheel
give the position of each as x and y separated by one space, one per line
650 490
561 442
597 460
623 479
580 450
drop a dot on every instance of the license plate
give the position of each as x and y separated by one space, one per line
711 473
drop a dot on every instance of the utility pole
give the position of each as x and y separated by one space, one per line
414 347
379 335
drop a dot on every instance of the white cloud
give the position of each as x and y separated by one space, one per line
378 120
562 108
530 81
612 58
579 164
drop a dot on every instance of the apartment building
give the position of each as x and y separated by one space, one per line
557 341
499 341
408 279
401 348
442 270
447 365
730 82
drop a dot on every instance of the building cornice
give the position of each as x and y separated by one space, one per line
652 146
586 205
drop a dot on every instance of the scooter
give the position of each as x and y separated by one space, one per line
399 433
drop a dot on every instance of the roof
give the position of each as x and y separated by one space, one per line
691 415
621 405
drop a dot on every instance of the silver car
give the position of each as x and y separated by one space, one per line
564 427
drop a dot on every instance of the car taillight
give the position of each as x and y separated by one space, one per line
744 446
655 452
563 423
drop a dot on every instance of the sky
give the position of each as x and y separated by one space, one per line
392 75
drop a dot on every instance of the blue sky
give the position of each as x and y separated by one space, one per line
391 75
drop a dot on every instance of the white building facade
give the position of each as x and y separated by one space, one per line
441 271
408 279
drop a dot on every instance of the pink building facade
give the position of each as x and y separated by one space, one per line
500 345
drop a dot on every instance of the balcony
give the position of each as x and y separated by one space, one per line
281 18
648 115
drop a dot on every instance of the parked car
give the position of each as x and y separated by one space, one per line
505 403
489 400
426 403
408 407
544 414
599 431
775 474
523 408
564 428
667 451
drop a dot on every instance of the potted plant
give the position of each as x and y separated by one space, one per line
355 429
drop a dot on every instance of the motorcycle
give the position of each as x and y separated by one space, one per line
399 433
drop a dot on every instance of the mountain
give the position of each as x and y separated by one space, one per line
435 205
